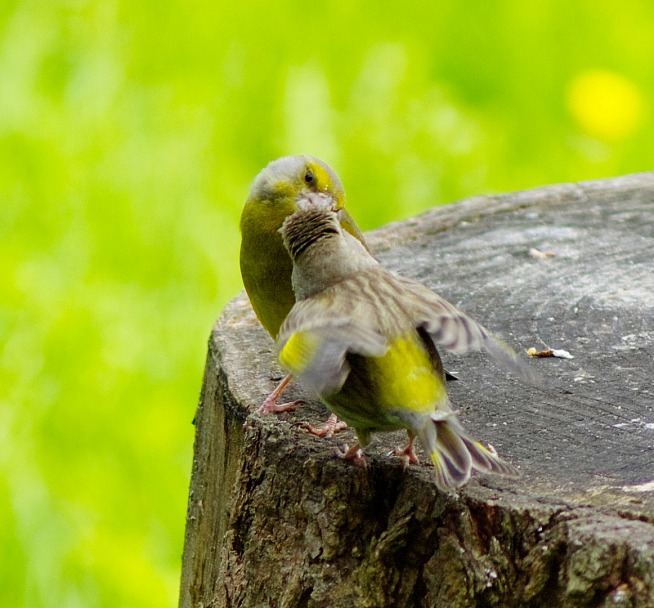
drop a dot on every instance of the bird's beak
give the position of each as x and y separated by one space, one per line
350 226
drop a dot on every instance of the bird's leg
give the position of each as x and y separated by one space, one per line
354 454
332 426
271 405
408 454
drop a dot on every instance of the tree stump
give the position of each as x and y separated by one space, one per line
276 520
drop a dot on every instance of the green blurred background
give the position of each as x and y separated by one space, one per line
129 134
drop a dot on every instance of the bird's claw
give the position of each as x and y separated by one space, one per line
269 406
329 429
407 455
353 454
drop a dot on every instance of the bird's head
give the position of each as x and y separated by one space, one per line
279 188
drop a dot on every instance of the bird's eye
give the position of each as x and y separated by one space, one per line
309 178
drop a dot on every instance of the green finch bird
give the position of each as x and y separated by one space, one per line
265 264
364 340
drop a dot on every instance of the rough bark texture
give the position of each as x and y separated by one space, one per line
274 519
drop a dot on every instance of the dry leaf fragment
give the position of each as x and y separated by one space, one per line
541 255
550 352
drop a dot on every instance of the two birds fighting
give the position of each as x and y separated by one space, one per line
361 338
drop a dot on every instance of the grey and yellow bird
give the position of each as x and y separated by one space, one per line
365 341
265 264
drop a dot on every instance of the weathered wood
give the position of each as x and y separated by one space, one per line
274 519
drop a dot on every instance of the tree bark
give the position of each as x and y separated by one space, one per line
276 520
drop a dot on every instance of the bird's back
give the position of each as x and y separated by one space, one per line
408 378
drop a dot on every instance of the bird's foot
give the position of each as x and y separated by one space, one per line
329 429
408 454
269 405
354 454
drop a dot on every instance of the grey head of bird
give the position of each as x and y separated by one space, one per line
289 176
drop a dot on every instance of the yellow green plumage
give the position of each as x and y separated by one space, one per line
265 264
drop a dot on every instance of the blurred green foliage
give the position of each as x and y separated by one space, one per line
129 134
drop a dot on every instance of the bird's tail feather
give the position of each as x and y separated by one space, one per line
486 459
455 454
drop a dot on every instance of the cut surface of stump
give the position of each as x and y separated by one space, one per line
275 519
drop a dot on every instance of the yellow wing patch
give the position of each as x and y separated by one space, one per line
299 350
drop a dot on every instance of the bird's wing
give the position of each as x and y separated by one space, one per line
314 341
455 331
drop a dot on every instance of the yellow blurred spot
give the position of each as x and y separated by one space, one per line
605 104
